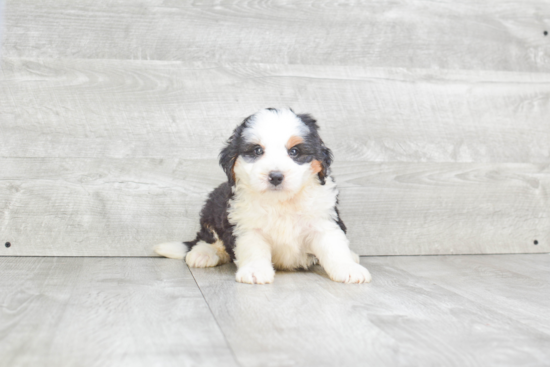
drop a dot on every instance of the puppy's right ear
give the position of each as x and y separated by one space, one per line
229 154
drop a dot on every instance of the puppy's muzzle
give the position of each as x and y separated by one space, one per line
276 177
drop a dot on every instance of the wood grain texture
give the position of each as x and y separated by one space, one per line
113 112
514 286
440 208
122 207
537 267
400 319
98 207
124 109
105 312
464 34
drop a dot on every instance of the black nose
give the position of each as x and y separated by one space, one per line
276 177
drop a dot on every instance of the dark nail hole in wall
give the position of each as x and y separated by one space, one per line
546 33
536 242
8 244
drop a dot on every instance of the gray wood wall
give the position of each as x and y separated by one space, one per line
112 114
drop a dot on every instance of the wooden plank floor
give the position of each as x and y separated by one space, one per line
105 312
482 310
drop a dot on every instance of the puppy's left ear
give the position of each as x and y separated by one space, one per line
324 155
230 153
326 161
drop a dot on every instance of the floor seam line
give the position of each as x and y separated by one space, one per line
215 319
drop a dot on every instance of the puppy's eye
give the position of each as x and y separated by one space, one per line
258 151
293 152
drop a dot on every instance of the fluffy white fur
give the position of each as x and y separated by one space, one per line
289 226
202 255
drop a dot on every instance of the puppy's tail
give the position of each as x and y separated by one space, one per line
173 250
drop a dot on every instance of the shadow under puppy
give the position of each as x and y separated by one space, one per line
277 209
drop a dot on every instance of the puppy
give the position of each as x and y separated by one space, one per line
277 209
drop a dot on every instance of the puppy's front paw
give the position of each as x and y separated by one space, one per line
354 257
255 274
348 273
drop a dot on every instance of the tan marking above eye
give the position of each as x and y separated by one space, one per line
294 140
316 166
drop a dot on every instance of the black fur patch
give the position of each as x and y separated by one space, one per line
214 218
229 154
339 221
313 147
235 146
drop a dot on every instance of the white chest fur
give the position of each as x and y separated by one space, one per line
288 226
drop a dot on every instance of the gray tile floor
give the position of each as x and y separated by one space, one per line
483 310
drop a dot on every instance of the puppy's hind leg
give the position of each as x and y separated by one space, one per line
205 255
201 255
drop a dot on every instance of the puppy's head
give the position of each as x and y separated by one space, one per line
276 151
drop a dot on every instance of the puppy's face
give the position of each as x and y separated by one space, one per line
276 152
